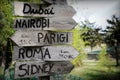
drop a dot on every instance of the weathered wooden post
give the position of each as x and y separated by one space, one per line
44 78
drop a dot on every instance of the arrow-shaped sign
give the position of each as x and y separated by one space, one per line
47 53
55 23
40 38
35 68
62 2
42 10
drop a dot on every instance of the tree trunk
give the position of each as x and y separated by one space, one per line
116 55
91 48
0 61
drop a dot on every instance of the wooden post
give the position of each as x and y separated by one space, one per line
44 78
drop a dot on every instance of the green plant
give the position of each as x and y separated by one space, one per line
79 45
104 58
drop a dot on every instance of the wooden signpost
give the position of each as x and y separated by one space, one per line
43 10
63 2
46 53
56 23
40 51
37 68
40 38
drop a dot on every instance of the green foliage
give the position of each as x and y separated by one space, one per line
6 21
79 45
112 35
112 32
104 58
91 36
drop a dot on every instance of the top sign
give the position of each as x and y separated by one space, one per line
42 10
61 2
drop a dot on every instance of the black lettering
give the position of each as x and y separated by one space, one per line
40 68
23 70
41 11
47 53
44 22
34 11
28 69
58 38
18 23
52 37
29 53
40 36
62 37
46 38
46 11
29 23
51 11
48 23
24 24
31 10
38 51
32 23
67 37
26 8
51 66
45 66
21 53
38 23
34 69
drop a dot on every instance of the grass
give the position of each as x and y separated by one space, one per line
93 71
1 72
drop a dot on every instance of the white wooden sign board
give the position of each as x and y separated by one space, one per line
40 38
35 68
56 23
42 10
47 53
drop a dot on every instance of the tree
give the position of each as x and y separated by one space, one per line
91 36
112 34
6 22
78 44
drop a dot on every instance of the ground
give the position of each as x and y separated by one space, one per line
91 70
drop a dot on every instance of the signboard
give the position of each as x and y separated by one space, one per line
47 53
35 68
62 2
42 10
33 55
40 38
56 23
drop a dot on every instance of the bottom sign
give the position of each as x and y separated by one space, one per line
35 68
